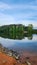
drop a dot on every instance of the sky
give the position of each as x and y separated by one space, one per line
18 12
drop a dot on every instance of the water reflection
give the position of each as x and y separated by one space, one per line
19 36
23 44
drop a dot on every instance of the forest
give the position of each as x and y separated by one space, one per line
17 31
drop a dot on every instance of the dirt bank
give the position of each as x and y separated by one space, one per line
6 60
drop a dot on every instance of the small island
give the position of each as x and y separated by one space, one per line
17 31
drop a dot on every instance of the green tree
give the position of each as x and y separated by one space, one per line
30 28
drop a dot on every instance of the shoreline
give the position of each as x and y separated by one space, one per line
25 60
9 57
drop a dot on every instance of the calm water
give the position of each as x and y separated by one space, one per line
21 45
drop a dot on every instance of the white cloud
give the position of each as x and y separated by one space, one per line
4 6
25 16
6 19
26 22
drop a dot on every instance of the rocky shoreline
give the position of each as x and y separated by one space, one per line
9 52
25 58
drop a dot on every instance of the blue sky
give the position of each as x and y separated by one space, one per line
18 12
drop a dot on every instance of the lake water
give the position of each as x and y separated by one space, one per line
25 48
21 45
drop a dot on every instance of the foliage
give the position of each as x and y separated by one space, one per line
30 28
17 31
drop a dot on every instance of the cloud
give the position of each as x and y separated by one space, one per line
28 16
17 6
27 22
6 19
4 6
